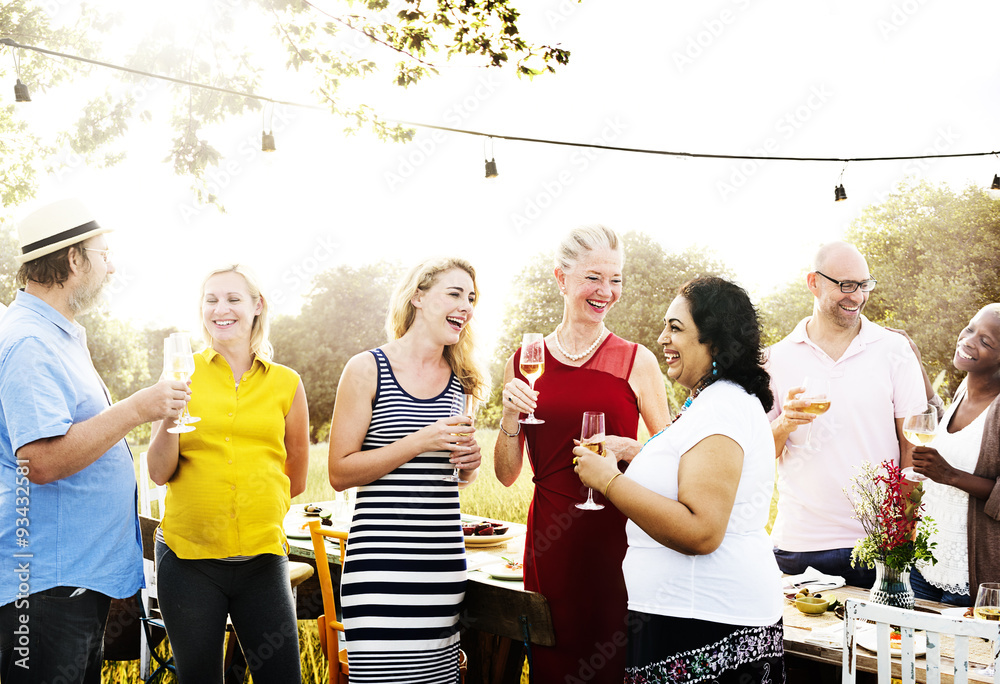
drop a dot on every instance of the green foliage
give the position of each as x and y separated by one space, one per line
225 48
8 264
651 278
935 254
345 315
781 310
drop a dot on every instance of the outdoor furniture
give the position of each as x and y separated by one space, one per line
498 617
330 628
908 621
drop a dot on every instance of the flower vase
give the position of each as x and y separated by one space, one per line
892 587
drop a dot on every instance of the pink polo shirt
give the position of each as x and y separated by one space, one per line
874 382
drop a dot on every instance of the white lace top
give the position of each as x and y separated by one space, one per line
949 506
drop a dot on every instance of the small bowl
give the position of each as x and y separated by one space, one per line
812 606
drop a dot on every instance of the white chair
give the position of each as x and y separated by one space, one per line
908 621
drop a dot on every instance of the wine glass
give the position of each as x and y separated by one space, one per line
817 392
178 364
919 430
532 366
987 608
468 407
592 437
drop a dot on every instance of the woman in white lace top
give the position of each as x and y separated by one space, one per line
951 461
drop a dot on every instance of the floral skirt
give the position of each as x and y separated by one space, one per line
667 649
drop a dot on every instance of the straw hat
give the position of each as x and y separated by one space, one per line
55 226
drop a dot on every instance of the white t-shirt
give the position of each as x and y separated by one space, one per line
874 382
739 583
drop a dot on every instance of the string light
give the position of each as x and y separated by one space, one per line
267 138
839 194
20 90
416 124
491 163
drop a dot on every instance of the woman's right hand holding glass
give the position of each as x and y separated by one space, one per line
929 463
518 397
453 433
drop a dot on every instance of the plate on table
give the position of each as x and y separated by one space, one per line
501 571
956 612
868 640
488 540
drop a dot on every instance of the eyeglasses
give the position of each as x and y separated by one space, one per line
849 286
106 253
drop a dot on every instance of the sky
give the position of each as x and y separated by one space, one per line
760 77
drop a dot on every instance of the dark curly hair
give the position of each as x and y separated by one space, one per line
727 322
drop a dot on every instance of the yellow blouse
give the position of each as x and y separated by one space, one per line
230 494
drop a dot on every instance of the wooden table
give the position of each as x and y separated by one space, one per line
798 627
495 615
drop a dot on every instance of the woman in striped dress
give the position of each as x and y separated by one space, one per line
395 436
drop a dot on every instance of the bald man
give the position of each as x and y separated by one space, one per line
875 381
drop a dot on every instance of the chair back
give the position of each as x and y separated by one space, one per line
908 622
149 491
329 627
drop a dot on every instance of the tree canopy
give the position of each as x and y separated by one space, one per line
230 46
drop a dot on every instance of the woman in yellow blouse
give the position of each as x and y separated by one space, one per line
221 548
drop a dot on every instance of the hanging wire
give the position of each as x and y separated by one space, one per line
499 136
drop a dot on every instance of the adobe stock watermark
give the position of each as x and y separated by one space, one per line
562 12
318 257
943 142
579 161
711 30
785 128
218 178
899 15
423 147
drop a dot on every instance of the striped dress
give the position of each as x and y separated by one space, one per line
404 576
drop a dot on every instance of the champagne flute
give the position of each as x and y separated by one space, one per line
467 408
987 608
532 366
178 363
919 430
817 393
592 437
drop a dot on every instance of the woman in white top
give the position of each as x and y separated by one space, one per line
951 461
704 590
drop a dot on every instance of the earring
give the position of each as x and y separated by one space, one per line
715 369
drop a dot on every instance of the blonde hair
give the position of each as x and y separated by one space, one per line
402 313
260 344
586 239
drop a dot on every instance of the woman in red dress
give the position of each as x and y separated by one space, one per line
574 557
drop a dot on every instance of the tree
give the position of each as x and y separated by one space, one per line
651 278
345 315
782 310
226 45
935 254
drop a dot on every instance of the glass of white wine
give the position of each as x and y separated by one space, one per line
592 437
466 405
919 430
817 393
987 608
178 364
532 366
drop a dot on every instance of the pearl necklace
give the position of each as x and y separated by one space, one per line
577 357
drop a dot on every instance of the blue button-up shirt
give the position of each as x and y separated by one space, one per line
82 530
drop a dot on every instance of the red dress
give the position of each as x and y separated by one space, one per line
574 557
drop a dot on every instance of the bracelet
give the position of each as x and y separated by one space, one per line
510 434
608 485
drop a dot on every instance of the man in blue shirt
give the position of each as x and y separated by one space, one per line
69 533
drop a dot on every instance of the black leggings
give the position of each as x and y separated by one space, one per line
195 596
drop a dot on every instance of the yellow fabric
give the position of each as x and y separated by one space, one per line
230 493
